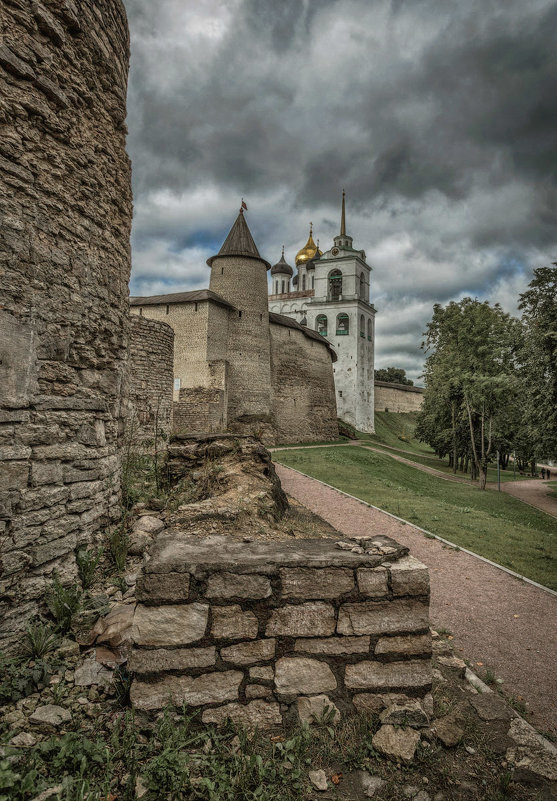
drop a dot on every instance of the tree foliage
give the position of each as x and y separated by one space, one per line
471 382
395 375
539 361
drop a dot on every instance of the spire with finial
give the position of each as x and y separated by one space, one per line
343 216
343 240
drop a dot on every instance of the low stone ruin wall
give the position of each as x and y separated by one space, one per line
151 380
270 632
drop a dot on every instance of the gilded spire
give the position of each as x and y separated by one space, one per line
343 217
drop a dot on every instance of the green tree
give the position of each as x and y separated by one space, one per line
539 361
471 371
395 375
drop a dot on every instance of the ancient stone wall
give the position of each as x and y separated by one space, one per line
268 633
201 409
397 397
65 215
303 389
200 338
151 379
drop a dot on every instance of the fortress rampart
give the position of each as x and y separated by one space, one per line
65 212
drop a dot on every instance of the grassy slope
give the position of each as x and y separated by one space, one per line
489 523
389 427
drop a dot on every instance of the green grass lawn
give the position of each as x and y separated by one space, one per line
443 466
397 430
492 524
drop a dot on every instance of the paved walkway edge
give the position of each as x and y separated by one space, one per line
428 533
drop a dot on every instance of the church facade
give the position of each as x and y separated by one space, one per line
330 294
239 367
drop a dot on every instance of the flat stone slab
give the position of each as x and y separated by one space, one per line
183 553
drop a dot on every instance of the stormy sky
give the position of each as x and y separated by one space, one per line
438 118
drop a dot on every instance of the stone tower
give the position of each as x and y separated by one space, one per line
332 297
239 275
65 211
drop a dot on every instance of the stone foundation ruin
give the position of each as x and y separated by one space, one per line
268 633
65 211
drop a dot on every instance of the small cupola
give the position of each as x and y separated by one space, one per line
282 267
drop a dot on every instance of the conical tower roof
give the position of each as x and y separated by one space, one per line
239 242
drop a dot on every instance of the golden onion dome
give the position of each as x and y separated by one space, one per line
309 250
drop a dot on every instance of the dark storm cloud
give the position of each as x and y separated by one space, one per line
438 117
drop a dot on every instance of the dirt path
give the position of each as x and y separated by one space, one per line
497 620
431 470
534 492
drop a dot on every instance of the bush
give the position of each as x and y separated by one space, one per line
41 639
87 563
118 544
64 603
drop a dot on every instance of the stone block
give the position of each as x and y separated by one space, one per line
377 617
258 691
262 673
10 453
153 587
255 715
309 583
398 743
232 585
46 473
303 620
151 525
230 623
373 582
411 645
333 646
378 676
162 659
315 708
50 715
169 625
53 549
302 676
211 688
409 577
16 66
14 475
246 653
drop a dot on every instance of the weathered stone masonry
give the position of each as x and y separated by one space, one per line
65 214
266 632
151 379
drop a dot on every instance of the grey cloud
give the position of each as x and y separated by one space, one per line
438 118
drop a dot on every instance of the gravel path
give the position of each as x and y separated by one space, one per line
497 620
535 493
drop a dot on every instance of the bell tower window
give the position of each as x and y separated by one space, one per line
335 285
343 325
321 324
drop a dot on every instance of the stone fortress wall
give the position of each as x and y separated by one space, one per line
397 397
151 379
65 212
303 387
268 633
